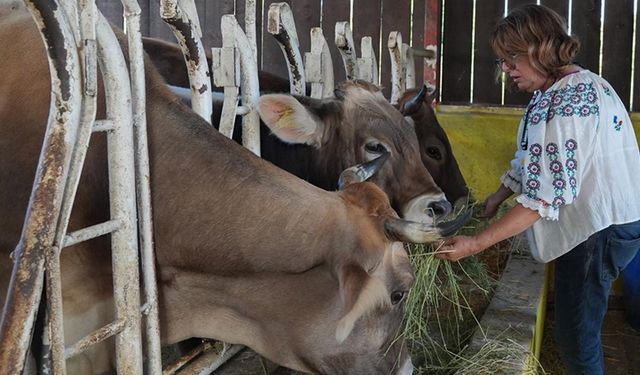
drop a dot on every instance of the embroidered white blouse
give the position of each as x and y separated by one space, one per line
577 164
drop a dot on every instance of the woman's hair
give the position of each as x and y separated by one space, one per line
539 33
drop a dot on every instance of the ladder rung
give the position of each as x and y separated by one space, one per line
102 125
90 232
95 337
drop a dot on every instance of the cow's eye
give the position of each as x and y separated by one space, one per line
375 147
434 153
398 296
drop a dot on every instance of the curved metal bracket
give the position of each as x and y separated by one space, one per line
183 21
409 65
282 26
39 229
344 42
236 47
397 66
318 65
367 64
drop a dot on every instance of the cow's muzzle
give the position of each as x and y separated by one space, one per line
414 232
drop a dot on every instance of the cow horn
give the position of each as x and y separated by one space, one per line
361 172
415 232
414 104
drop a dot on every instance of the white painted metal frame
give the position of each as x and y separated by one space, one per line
318 65
70 125
182 18
282 26
132 13
237 52
398 77
250 25
410 66
344 42
367 63
45 203
122 196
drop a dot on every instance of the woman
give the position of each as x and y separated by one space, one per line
576 173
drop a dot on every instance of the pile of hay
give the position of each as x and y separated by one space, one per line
444 309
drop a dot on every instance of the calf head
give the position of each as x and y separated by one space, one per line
355 126
435 148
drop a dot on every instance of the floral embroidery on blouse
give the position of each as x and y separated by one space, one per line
571 164
533 171
579 100
562 174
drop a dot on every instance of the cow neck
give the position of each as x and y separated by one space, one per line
335 154
241 203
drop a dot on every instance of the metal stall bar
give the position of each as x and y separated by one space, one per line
182 18
208 358
428 55
409 66
283 27
83 23
250 26
344 42
318 65
143 190
398 84
236 52
45 202
121 226
122 190
367 64
227 75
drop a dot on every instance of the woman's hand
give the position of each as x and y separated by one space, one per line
494 201
458 247
491 205
515 221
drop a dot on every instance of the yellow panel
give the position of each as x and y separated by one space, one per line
484 141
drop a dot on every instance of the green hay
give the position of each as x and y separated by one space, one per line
439 316
499 355
443 310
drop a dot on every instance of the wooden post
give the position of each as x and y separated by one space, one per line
432 42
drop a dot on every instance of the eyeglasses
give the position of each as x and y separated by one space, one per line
509 62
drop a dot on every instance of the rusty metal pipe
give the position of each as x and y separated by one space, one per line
45 202
95 337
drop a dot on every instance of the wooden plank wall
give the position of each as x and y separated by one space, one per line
468 74
616 45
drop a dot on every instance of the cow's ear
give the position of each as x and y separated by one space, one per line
289 120
360 294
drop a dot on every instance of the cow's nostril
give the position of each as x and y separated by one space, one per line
439 209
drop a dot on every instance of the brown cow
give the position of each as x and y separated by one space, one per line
317 139
435 149
246 253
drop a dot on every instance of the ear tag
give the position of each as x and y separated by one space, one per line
286 119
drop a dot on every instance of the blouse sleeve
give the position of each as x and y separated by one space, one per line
513 177
560 130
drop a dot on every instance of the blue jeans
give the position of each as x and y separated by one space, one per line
631 292
583 278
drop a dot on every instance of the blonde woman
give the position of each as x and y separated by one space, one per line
576 174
